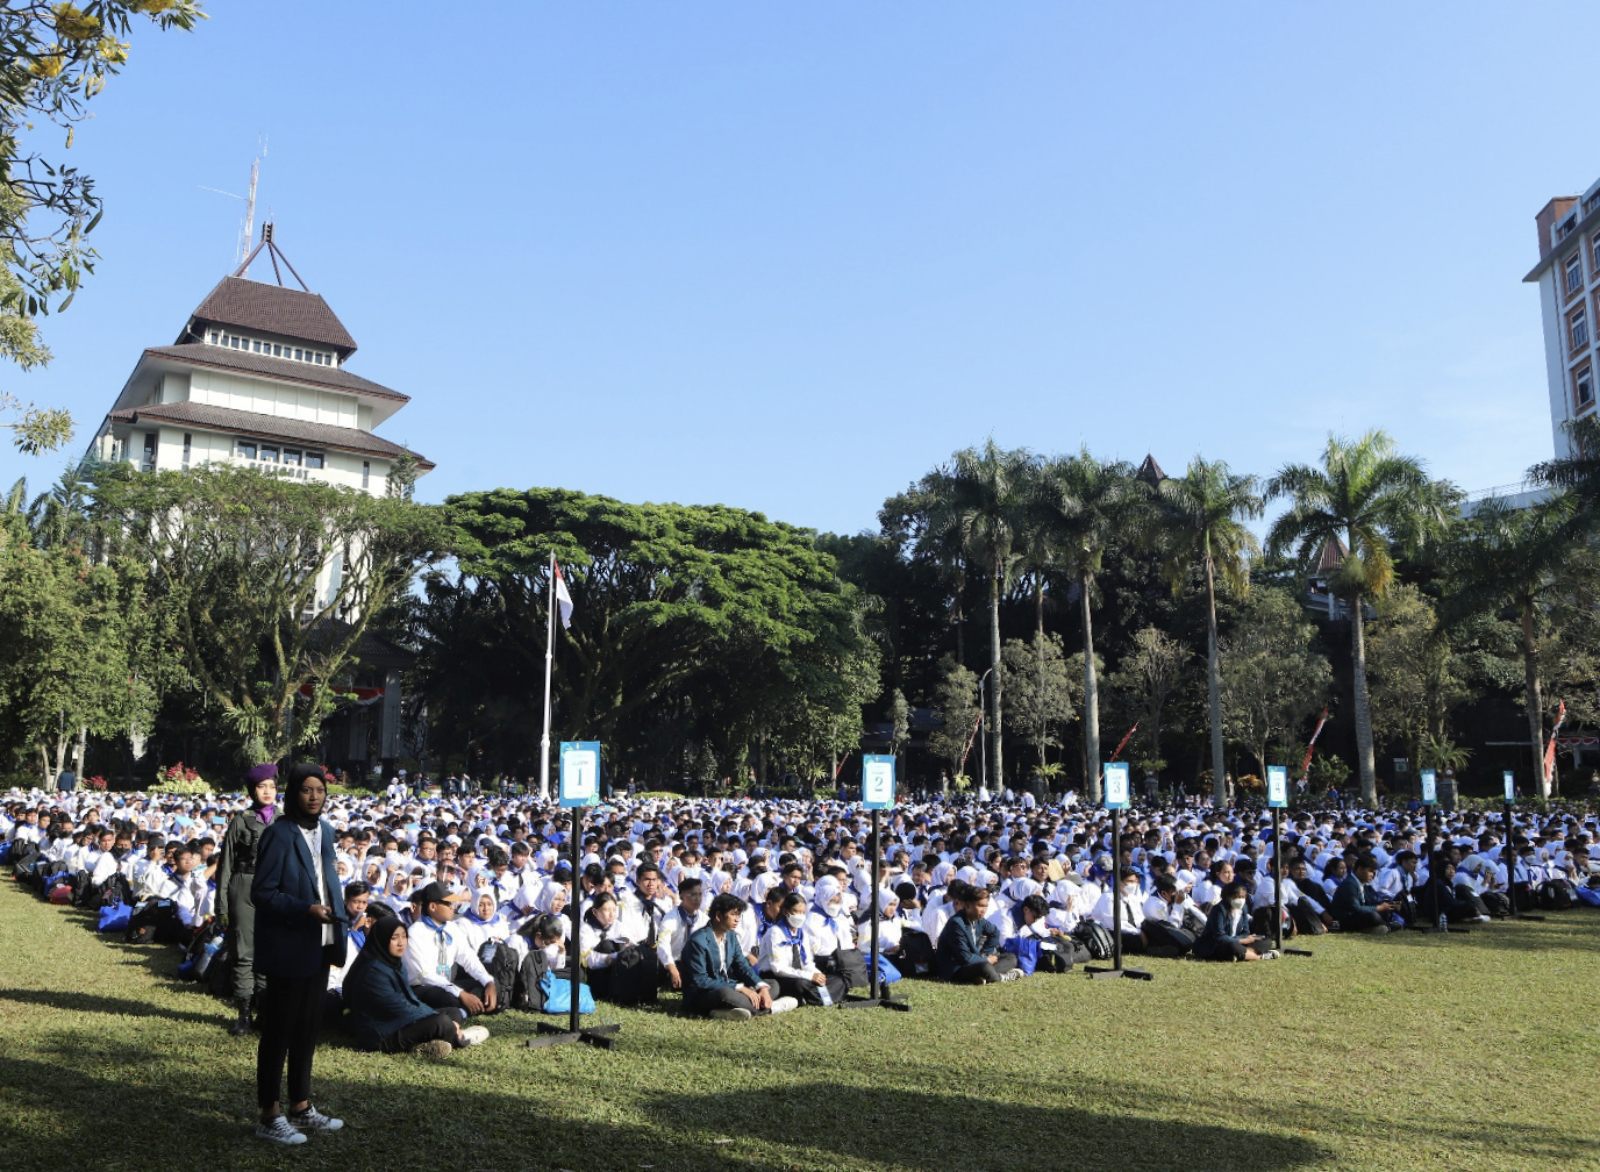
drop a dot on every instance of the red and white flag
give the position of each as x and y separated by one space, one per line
1550 745
563 598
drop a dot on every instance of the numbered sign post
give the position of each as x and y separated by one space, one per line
1430 788
1508 853
580 789
1116 789
877 795
1277 802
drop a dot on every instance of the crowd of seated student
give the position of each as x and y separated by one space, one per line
472 894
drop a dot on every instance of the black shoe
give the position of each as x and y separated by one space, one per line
241 1026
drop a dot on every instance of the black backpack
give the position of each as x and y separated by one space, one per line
1096 939
634 976
1555 895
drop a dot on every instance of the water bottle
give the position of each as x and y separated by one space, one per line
207 955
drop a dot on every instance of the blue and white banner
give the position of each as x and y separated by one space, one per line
1430 788
1116 797
1277 787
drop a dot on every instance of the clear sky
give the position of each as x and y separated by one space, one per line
790 256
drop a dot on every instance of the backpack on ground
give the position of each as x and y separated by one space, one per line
1096 939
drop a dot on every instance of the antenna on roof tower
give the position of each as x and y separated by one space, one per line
248 230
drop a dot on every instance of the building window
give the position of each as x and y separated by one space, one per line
313 459
267 455
366 473
245 450
188 443
291 456
1578 329
1583 388
1574 273
152 441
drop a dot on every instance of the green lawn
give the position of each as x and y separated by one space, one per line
1477 1051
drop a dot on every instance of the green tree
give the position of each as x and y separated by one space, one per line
693 624
982 498
1366 496
1273 676
270 584
1506 558
1417 678
1084 502
1145 680
1042 699
1199 522
956 699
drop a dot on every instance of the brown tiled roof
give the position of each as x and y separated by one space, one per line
270 427
1331 557
273 309
1150 472
225 358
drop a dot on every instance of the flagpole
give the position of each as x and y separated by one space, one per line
549 645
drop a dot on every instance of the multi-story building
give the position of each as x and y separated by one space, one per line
258 375
1568 276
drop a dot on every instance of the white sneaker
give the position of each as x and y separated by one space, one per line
313 1120
280 1131
1013 975
1483 919
475 1035
1270 954
732 1014
785 1004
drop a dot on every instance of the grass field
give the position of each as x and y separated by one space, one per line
1477 1051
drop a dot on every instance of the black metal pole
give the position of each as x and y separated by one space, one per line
1116 890
1277 878
574 951
877 863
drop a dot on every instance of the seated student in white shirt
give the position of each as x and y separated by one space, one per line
1169 928
602 936
830 934
786 958
1209 890
1132 914
676 927
440 963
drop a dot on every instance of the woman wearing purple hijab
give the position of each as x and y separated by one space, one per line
234 876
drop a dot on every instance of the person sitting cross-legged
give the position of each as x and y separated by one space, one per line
969 946
1356 904
717 977
440 962
385 1013
1227 934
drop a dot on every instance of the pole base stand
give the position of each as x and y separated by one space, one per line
1102 974
1296 952
1526 916
602 1037
881 1001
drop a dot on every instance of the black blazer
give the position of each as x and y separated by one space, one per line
288 940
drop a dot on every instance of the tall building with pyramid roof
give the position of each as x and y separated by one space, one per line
259 374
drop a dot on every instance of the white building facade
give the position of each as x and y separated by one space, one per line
1568 277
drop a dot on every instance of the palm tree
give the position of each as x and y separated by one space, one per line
981 499
1084 503
1199 521
1507 557
1369 497
1579 473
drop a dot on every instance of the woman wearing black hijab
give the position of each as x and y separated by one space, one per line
384 1011
300 930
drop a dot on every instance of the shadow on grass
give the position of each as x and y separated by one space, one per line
980 1130
94 1003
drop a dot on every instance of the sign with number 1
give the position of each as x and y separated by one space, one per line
580 773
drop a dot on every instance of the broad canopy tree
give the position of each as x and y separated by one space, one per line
692 624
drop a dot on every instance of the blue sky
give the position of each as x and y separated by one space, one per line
789 257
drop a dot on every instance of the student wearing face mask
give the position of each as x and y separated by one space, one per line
830 935
1132 912
1227 934
787 961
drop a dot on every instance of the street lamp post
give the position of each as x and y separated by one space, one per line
983 745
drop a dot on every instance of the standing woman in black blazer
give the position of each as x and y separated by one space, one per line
300 930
